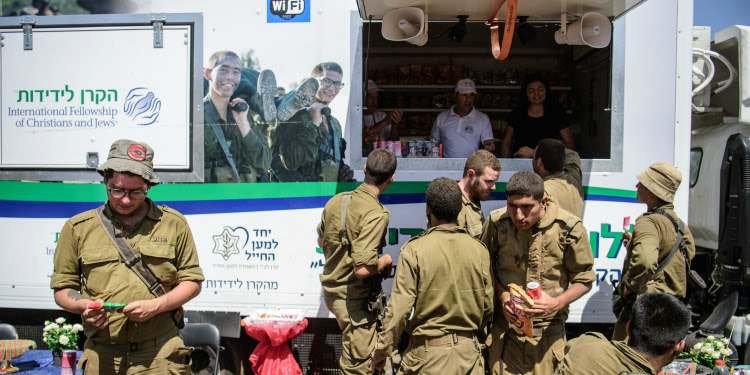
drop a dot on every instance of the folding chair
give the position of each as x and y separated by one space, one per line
203 334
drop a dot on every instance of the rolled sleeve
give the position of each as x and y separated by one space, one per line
188 268
365 246
644 256
67 270
579 259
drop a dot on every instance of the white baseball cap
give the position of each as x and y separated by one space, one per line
372 86
466 86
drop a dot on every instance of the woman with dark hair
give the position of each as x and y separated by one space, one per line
538 118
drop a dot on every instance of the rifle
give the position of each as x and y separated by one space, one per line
376 303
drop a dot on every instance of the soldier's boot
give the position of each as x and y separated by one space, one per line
298 99
262 100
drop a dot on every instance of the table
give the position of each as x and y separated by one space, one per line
11 349
38 362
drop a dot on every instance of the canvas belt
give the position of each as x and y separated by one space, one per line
451 338
216 163
136 346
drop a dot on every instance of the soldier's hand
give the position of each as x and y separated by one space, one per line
545 306
524 152
395 116
626 237
489 144
315 112
507 306
96 317
141 311
378 360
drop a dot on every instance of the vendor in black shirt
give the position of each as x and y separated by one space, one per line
538 118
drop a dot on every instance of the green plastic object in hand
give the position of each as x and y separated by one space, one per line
107 306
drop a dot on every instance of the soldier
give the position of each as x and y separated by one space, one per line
310 147
481 171
533 239
561 170
653 238
352 266
656 330
89 266
234 148
444 275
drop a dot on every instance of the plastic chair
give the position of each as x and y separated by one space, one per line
203 334
8 332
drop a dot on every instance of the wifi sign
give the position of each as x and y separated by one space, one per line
288 11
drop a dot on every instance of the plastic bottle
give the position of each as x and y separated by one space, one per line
721 368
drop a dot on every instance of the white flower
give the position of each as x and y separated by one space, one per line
726 352
719 344
54 326
698 346
707 349
716 355
47 328
710 338
77 327
44 339
67 327
724 340
64 340
46 322
60 320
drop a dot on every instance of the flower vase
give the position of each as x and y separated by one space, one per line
57 358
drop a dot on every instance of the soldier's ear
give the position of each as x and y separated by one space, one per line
207 74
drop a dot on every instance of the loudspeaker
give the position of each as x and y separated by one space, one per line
406 24
593 29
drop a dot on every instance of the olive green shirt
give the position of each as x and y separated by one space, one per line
567 186
539 255
366 225
87 261
300 142
653 238
444 274
249 152
593 354
471 217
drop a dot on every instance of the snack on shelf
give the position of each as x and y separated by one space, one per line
485 78
521 302
444 75
401 101
415 74
428 74
403 74
457 73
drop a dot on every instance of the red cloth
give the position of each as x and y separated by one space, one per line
10 349
272 356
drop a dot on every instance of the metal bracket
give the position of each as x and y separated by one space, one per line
563 23
92 159
158 20
26 23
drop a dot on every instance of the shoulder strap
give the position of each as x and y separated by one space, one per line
223 142
343 236
569 224
131 259
679 242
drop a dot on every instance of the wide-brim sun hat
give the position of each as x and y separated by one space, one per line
131 157
662 179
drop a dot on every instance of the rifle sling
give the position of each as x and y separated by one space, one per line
131 259
680 229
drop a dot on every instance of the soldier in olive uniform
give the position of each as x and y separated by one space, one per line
444 275
651 241
533 239
246 146
88 267
561 170
352 259
310 146
656 331
481 171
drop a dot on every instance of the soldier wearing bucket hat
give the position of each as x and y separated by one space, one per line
654 235
88 267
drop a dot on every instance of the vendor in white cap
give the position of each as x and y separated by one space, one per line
380 123
462 129
652 240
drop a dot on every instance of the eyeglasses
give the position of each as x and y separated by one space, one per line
327 82
133 194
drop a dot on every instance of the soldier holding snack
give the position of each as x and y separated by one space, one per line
533 240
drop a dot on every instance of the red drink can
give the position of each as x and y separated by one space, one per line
534 289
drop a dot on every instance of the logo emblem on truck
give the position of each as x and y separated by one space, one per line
225 244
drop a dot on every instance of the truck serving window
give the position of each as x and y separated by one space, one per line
420 82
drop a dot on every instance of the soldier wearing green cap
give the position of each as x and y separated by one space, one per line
652 239
143 337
